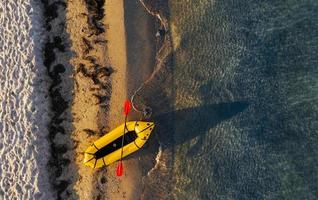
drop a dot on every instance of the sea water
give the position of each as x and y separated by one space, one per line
245 102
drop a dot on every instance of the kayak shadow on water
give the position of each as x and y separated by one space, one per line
177 127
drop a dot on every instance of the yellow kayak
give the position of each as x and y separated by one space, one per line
107 149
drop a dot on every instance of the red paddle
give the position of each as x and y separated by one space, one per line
127 107
120 167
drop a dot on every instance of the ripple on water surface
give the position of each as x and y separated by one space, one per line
245 90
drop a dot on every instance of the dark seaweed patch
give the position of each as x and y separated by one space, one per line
103 180
99 41
102 99
105 71
91 59
58 171
61 149
58 103
95 15
53 130
90 132
49 55
98 74
99 197
57 69
57 162
51 11
81 68
58 43
64 162
62 186
87 46
55 75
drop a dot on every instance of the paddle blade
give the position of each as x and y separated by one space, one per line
120 169
127 107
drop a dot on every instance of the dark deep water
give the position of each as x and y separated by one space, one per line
245 86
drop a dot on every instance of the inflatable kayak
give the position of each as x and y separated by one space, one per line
107 149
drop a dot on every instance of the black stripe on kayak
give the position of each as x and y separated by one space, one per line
89 153
136 145
95 146
95 163
90 159
146 129
116 144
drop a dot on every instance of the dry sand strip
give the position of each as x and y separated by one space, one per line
92 89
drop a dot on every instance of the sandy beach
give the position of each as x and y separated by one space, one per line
85 59
231 87
129 51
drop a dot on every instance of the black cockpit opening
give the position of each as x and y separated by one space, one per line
129 137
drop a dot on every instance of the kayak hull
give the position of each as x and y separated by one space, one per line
107 149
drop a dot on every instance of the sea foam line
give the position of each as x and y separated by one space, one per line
159 154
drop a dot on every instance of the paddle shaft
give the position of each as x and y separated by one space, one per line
120 168
122 141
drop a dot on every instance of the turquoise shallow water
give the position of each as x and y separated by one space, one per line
244 95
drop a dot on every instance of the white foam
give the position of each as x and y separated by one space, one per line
24 105
159 154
